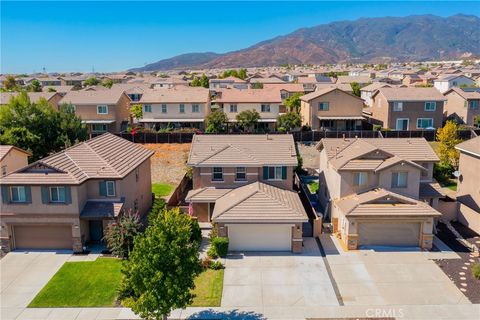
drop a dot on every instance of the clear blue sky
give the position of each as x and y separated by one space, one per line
115 36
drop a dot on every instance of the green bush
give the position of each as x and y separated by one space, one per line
476 271
196 231
220 245
212 252
216 265
443 172
377 127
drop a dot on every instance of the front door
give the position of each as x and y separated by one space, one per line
402 124
96 230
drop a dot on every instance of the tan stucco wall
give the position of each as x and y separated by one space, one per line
14 160
273 114
468 190
469 217
413 180
173 111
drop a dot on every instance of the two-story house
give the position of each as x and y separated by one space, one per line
244 185
468 190
102 110
228 82
331 109
12 159
408 108
367 92
184 107
379 192
462 105
448 81
267 102
65 201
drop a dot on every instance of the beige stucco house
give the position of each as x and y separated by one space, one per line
462 105
331 109
64 201
379 192
244 184
12 159
468 190
101 110
408 108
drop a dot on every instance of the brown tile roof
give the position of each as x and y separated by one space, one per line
411 94
109 97
290 87
259 202
247 150
249 96
375 86
321 92
5 149
102 209
176 95
342 86
473 95
431 190
106 156
471 146
207 194
351 79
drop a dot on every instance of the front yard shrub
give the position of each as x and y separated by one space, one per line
206 262
216 265
196 231
220 245
476 271
213 232
212 252
120 234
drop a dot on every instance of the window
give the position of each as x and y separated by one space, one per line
402 124
473 104
181 108
57 194
4 171
454 83
274 173
323 106
164 108
241 174
398 106
148 108
110 188
430 106
265 108
233 108
399 179
423 123
99 127
360 179
102 109
217 174
19 194
195 108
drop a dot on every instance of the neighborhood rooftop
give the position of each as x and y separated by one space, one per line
411 94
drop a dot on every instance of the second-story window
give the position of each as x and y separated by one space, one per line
98 127
102 109
57 194
399 179
18 194
265 108
360 179
164 108
430 106
398 106
473 104
423 123
147 108
323 106
181 108
217 174
241 174
275 173
233 108
110 188
195 108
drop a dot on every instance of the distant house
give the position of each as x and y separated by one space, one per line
12 159
53 98
468 190
462 105
76 81
50 81
367 92
286 89
178 108
361 80
102 111
331 109
379 192
228 82
444 83
66 200
408 108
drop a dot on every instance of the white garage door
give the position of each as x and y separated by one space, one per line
389 234
260 237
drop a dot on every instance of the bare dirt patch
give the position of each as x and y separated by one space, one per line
309 154
169 161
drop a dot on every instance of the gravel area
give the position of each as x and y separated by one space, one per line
169 161
309 154
460 270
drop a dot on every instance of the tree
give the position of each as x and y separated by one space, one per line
119 235
247 119
159 274
242 73
447 138
356 88
257 85
51 89
289 121
91 81
34 86
216 122
200 82
108 83
38 128
293 102
136 111
10 84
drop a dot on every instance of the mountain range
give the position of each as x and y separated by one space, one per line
366 40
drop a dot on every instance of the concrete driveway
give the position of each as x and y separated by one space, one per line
23 275
278 279
367 277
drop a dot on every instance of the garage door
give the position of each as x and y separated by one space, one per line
43 237
389 234
260 237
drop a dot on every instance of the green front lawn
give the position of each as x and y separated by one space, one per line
162 189
208 289
82 284
451 184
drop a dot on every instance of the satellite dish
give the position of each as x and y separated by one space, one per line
457 173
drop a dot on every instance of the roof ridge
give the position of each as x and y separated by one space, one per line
234 204
228 145
76 165
286 203
104 160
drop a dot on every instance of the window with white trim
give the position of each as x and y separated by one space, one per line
147 108
423 123
217 174
430 106
110 188
323 106
265 108
360 179
18 194
397 106
164 108
195 108
233 108
98 127
241 174
181 108
274 173
102 109
399 179
57 194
